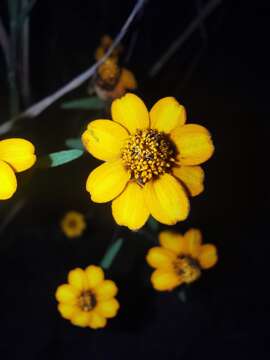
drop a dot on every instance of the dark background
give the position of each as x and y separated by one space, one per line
221 75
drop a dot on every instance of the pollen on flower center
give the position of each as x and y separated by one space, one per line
87 301
148 154
187 268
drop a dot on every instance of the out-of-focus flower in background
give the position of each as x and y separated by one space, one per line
16 155
179 259
105 43
87 300
151 161
112 80
73 224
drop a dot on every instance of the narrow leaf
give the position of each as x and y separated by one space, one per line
74 143
111 253
59 158
89 103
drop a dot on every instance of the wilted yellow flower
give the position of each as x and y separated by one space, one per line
16 155
112 81
179 259
150 161
105 43
87 300
73 224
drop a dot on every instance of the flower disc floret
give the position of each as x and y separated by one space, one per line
148 154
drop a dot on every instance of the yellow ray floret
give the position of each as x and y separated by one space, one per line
179 259
16 155
151 161
87 300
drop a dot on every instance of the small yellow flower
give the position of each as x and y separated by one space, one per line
16 155
151 159
112 81
179 259
88 299
105 43
73 224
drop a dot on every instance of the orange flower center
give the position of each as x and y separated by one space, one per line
148 154
87 301
187 268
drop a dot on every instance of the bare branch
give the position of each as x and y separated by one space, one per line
176 45
4 42
39 107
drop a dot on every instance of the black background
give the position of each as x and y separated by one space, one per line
223 81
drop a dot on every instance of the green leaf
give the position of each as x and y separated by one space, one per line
111 253
89 103
153 224
74 143
59 158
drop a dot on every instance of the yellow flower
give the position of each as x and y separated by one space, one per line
113 81
151 159
179 259
16 155
87 300
73 224
105 43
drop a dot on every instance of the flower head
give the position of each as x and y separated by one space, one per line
151 161
87 300
16 155
113 81
105 43
179 259
73 224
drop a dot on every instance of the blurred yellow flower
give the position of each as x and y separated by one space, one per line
179 259
151 160
87 300
73 224
16 155
112 81
105 43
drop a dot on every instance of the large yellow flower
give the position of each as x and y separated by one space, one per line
179 259
87 300
151 161
16 155
73 224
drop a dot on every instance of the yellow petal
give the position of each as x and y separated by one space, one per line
163 280
77 279
127 79
8 181
107 181
95 276
66 310
130 112
193 239
97 321
104 139
192 177
67 294
108 308
208 256
167 114
81 318
161 258
19 153
172 241
129 209
194 144
106 290
166 200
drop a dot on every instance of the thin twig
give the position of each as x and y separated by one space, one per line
25 81
176 45
11 214
4 43
26 11
39 107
